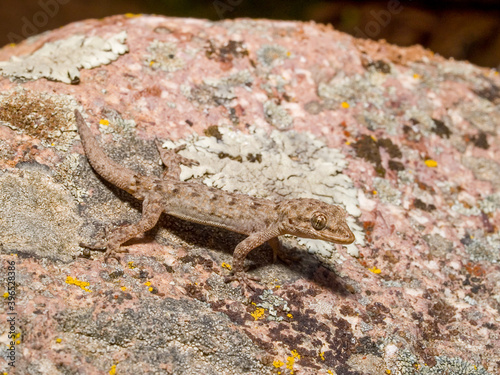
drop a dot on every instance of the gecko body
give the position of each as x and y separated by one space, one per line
262 220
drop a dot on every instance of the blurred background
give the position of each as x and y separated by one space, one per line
463 29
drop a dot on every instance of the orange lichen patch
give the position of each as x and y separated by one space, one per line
82 284
40 116
475 269
258 313
381 50
277 363
290 361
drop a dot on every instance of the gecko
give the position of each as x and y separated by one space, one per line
261 220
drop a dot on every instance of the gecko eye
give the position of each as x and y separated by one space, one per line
318 221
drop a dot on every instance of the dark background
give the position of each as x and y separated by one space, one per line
463 29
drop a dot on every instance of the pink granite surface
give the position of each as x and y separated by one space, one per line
420 134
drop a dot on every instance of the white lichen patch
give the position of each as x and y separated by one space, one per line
280 165
164 56
37 216
62 59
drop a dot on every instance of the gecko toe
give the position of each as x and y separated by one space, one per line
92 247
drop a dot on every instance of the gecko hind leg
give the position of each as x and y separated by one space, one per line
151 211
172 160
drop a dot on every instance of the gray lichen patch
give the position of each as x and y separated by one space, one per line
408 364
185 334
274 305
482 247
164 56
277 115
40 115
269 55
217 91
37 216
278 165
62 59
386 192
483 169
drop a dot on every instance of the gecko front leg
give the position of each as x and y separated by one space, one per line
243 249
172 161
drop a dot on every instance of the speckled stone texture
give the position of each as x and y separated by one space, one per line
407 141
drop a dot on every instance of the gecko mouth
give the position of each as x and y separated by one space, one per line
344 235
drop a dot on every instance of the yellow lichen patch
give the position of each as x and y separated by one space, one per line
387 371
344 105
112 371
416 76
322 356
6 295
133 15
124 288
58 340
258 313
74 281
329 372
131 265
290 361
431 163
289 315
225 265
104 122
376 270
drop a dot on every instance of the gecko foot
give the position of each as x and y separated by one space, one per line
172 156
244 279
108 252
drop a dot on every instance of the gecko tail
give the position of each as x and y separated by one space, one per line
108 169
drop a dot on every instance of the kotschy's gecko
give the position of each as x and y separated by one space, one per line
260 219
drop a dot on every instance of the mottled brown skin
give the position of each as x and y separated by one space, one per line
260 219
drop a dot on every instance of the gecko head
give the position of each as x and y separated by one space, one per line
311 218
